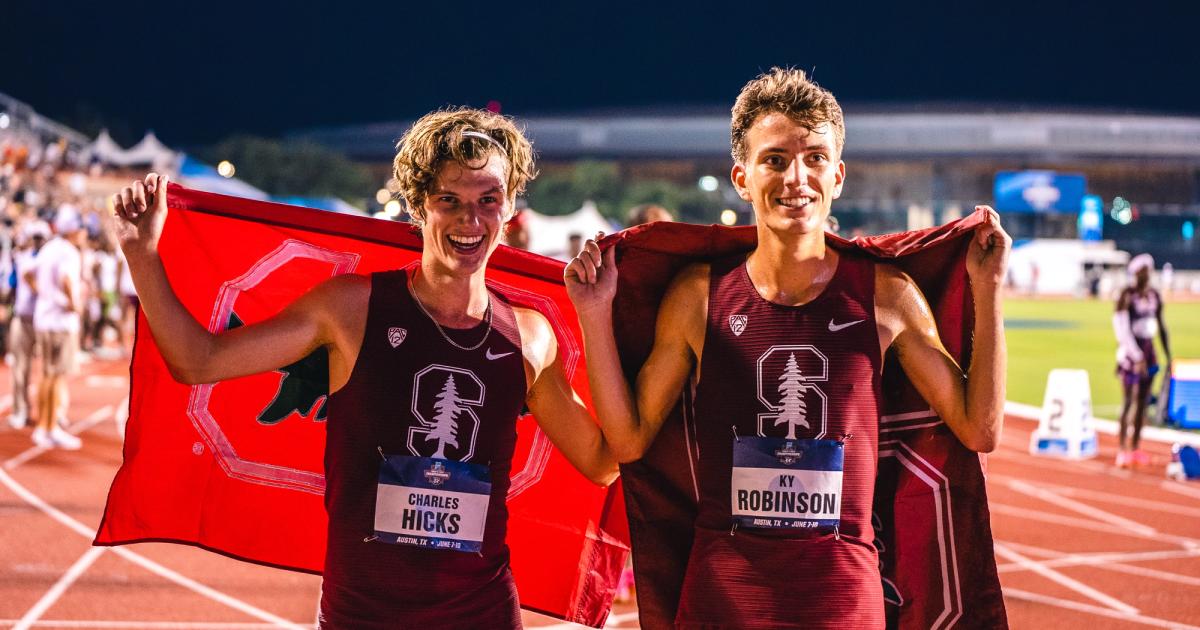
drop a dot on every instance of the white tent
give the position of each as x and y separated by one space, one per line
149 151
103 149
549 235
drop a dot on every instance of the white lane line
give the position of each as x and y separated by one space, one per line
146 563
1075 506
1095 610
60 587
146 625
1038 515
1108 561
93 419
104 381
1106 497
1180 487
1059 578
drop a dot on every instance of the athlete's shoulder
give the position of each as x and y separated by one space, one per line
691 282
342 298
893 285
531 319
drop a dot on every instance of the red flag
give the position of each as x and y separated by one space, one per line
236 467
932 525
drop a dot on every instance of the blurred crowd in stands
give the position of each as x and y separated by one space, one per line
65 293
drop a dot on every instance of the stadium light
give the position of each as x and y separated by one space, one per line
392 209
728 217
4 121
382 196
226 169
708 183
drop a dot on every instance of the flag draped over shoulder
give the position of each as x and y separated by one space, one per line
237 467
931 514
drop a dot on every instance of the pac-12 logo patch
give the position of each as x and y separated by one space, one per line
396 336
737 323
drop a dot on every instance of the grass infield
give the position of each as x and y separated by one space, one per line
1049 333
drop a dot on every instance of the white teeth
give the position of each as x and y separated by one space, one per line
795 202
465 241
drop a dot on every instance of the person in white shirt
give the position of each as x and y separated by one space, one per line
57 285
30 239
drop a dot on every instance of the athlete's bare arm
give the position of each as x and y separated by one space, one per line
560 412
321 317
971 404
631 422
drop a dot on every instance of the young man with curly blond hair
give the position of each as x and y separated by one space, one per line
433 338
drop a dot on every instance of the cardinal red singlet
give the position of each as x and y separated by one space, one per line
786 429
412 394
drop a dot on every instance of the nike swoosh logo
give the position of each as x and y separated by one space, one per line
493 357
836 327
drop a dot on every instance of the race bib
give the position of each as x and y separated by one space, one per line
779 483
434 503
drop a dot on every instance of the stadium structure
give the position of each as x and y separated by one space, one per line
913 166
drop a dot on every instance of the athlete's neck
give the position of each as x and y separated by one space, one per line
791 269
454 301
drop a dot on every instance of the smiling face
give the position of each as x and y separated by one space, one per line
790 174
464 215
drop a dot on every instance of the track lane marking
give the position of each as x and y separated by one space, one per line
1038 515
1017 593
1062 580
1114 561
56 591
150 565
1104 497
1052 497
92 419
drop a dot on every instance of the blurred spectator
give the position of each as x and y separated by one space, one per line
647 213
574 244
105 302
57 286
21 336
516 232
831 225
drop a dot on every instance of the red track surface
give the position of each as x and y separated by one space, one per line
1079 544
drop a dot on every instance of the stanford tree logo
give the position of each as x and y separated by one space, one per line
786 377
444 400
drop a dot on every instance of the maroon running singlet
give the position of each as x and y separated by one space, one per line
413 394
786 428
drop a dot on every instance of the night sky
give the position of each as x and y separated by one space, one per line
198 71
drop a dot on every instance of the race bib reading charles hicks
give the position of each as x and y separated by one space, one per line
434 503
780 483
